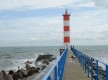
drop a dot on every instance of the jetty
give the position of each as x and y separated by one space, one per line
75 65
68 69
73 70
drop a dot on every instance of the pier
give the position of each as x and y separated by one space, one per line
73 70
83 67
66 69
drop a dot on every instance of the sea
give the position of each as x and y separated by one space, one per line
13 57
99 53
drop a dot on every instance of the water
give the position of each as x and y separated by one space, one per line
98 52
14 57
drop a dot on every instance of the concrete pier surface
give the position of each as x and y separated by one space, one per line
73 70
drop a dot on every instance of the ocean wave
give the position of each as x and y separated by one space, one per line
21 63
5 64
104 60
14 64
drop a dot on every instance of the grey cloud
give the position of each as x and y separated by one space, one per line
103 3
105 34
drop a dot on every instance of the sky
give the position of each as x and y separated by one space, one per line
40 22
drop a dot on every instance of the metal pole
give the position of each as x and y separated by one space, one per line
49 78
97 71
55 73
91 70
106 72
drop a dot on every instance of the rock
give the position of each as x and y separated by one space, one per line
9 77
48 57
43 67
45 62
15 76
38 68
11 72
24 72
93 64
28 62
103 73
35 69
1 76
61 51
31 72
27 66
4 73
20 76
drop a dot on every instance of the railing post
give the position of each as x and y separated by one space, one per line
58 69
49 78
91 70
85 64
81 60
55 73
97 71
62 66
106 72
88 70
85 67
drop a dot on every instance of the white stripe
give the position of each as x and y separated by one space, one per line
67 45
66 34
66 23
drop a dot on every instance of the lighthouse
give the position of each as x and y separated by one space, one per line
66 28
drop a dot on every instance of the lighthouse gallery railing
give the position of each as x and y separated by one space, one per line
58 68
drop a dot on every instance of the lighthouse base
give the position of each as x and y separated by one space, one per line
67 45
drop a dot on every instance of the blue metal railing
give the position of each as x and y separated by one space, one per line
58 68
91 66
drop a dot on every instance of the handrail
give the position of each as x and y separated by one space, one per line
58 67
91 65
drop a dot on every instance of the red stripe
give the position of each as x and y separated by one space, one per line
66 17
66 28
66 39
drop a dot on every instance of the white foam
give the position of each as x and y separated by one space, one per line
20 63
104 60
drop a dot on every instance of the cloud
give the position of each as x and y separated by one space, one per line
87 4
90 28
103 3
31 31
82 4
33 4
40 4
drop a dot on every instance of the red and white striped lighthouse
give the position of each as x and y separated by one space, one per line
66 19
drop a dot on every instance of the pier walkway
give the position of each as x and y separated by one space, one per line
73 70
